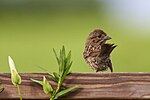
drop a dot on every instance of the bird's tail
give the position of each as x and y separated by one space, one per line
107 49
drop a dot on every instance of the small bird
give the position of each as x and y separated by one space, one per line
97 51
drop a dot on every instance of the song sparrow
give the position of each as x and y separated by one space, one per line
97 51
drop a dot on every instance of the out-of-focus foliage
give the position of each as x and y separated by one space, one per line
29 29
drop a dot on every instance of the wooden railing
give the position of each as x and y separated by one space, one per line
92 86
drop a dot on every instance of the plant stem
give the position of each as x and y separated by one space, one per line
18 87
51 98
57 89
58 86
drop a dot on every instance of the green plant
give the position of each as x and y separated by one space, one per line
64 64
15 77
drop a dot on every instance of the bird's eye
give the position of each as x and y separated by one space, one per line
99 36
95 32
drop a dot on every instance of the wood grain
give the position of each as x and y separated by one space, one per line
92 86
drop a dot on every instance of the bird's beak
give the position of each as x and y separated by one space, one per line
106 38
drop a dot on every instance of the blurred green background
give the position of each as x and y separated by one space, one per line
29 29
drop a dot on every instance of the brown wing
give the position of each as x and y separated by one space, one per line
109 64
105 54
106 50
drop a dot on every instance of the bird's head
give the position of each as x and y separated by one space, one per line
99 34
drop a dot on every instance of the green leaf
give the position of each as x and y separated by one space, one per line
65 91
68 58
61 63
37 81
1 90
69 55
52 77
68 62
56 56
67 70
63 59
47 88
63 52
55 77
15 78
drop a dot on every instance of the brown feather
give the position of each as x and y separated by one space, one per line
97 52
